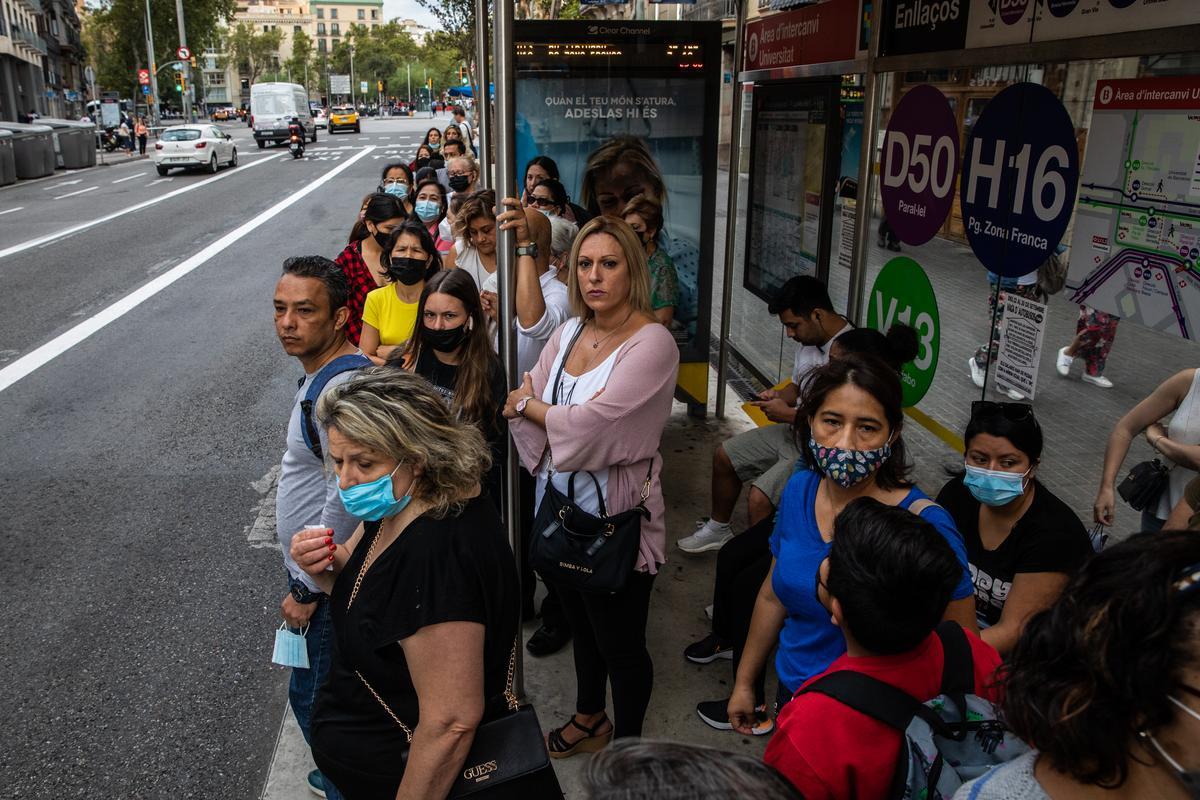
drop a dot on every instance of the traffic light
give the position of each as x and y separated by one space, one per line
379 85
179 81
460 73
192 60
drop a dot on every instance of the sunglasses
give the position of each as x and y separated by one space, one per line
534 200
1016 412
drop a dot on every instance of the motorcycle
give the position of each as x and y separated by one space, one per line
296 145
109 140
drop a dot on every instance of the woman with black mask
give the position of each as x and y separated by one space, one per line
362 258
421 160
451 348
390 313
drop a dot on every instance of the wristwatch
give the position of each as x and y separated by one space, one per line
524 401
530 250
301 593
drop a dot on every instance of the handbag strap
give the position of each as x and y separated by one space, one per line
562 364
509 697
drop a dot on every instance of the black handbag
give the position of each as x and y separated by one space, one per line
1144 484
508 757
573 547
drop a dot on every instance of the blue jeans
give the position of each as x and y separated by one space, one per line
305 683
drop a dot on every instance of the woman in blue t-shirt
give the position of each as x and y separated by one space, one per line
848 429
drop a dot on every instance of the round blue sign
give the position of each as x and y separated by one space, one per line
1019 177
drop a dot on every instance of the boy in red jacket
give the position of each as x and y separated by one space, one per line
886 583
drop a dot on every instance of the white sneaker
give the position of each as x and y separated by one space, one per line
710 536
1063 362
1012 394
708 609
1097 380
978 374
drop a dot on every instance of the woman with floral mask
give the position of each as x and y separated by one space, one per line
848 428
1105 686
429 206
390 313
644 214
451 348
1023 543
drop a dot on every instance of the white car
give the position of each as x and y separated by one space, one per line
320 118
194 147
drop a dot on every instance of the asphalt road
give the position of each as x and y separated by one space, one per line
143 398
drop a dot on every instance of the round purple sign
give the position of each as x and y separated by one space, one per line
920 160
1011 11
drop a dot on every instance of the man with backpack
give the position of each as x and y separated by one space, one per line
310 320
877 720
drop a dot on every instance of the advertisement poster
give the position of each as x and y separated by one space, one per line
791 135
1135 246
847 183
621 109
1021 333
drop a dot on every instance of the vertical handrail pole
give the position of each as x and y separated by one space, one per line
483 109
866 177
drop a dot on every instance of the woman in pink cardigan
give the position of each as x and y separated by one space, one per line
613 399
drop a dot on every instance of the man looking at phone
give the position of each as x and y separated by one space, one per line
766 456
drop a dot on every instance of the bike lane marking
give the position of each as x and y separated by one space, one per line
60 344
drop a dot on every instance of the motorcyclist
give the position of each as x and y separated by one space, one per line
296 128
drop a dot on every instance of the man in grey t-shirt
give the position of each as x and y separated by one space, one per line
310 318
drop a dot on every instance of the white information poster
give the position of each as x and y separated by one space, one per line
1021 333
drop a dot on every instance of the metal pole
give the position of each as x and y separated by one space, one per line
354 104
866 179
154 116
506 260
408 66
735 157
482 100
190 94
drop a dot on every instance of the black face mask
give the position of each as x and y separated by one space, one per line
447 340
421 163
408 271
459 183
380 238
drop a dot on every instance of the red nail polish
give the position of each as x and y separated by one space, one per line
331 558
333 547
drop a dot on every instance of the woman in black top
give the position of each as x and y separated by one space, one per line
424 597
1022 542
451 349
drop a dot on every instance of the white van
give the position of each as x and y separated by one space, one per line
272 105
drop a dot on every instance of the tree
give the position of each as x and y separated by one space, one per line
116 33
458 30
302 64
252 52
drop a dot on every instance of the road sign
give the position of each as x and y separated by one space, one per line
920 159
144 77
145 90
1019 176
363 87
89 74
339 84
183 54
903 293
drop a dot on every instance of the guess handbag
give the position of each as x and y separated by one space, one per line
1144 484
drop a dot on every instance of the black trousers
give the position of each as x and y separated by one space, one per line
552 612
742 566
610 647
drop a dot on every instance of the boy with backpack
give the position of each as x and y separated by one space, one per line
878 721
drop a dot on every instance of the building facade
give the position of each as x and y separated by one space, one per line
334 18
22 59
63 68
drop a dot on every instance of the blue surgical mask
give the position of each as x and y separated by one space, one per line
435 145
397 189
291 649
427 210
375 500
994 487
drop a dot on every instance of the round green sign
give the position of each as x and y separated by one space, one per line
902 293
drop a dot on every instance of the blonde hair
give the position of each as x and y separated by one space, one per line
649 209
635 260
471 163
619 150
400 415
476 205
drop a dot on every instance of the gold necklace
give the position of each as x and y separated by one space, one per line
595 342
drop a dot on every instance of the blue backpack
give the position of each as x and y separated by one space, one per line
323 377
949 740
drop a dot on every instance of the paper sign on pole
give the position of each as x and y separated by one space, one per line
1021 333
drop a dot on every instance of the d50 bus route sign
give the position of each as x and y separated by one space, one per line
1019 177
920 159
902 293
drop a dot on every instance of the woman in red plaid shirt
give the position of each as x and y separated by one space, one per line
380 215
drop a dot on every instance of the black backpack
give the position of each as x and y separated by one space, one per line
949 740
323 377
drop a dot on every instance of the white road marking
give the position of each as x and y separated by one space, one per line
10 210
261 533
72 194
160 180
50 237
63 342
62 183
131 177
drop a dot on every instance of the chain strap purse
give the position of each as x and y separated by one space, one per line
1144 484
508 755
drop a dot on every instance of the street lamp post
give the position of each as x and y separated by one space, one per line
187 66
409 67
153 67
352 77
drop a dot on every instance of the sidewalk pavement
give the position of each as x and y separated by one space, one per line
681 591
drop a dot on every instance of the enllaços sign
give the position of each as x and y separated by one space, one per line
924 26
920 160
1019 177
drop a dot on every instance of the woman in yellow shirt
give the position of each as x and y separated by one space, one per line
390 312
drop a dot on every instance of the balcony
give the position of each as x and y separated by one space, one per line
29 40
33 5
711 9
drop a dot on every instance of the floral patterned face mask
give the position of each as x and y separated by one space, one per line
848 467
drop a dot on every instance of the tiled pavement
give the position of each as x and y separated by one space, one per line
1076 417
